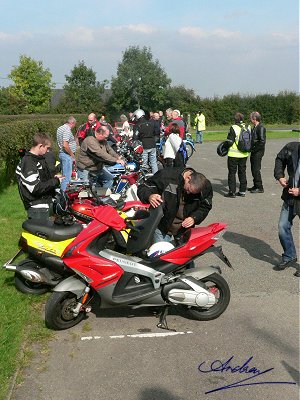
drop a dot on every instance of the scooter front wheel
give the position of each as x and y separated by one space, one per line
217 285
59 311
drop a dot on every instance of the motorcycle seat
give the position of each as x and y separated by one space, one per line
141 237
50 231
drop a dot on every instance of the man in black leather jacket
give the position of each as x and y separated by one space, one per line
257 151
288 158
186 197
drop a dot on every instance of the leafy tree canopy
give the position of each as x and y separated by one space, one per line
83 93
32 84
140 82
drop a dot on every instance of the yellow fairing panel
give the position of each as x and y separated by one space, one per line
45 245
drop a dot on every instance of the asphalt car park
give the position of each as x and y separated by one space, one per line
250 352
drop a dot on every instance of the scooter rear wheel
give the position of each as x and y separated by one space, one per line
26 286
58 311
216 284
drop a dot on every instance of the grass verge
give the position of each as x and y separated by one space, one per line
20 315
220 136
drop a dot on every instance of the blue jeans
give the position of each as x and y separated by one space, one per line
66 169
285 234
83 175
150 154
104 178
161 237
199 136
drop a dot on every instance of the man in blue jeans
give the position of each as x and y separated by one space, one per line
67 149
288 158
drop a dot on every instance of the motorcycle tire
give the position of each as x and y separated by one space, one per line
58 311
26 286
217 284
189 150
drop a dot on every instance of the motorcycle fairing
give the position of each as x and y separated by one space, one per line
44 245
134 265
198 241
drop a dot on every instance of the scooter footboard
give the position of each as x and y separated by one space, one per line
71 284
200 272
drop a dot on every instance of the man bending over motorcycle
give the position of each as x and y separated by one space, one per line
94 153
186 197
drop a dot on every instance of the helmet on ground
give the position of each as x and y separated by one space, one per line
139 113
159 248
223 148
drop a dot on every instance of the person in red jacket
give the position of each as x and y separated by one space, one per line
177 120
88 129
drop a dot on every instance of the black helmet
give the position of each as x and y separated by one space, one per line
223 148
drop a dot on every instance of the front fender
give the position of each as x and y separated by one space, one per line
71 284
200 272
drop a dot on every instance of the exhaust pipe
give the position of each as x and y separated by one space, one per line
10 267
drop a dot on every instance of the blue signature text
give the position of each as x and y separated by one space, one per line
233 368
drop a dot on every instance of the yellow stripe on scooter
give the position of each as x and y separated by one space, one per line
45 245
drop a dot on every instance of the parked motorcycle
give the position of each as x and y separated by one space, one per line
44 243
135 278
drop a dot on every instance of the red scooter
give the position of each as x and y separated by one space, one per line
133 278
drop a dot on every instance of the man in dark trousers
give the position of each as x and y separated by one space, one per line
144 131
257 151
288 158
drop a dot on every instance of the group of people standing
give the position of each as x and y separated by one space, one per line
186 195
237 159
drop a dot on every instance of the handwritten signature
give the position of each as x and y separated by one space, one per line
246 368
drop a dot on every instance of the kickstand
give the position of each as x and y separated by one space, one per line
163 320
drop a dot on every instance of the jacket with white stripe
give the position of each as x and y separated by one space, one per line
36 183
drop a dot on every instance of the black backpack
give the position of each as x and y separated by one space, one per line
245 139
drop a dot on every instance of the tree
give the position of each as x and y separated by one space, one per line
82 93
140 82
11 104
32 83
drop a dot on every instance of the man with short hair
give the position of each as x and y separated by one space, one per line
186 197
257 151
89 128
200 126
67 149
94 154
35 181
176 119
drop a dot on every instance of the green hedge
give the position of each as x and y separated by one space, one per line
18 133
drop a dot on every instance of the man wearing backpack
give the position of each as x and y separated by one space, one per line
257 151
240 137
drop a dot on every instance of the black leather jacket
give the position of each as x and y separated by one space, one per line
288 158
258 138
169 183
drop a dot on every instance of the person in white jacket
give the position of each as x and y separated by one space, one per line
172 145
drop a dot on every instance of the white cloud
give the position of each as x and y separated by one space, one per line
80 36
199 33
8 37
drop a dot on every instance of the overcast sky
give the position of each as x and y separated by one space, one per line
215 47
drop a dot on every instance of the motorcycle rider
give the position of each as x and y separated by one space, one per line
94 153
186 197
35 180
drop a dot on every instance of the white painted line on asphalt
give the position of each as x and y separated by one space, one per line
137 335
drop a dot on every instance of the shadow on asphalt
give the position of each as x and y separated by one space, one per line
255 247
221 187
157 393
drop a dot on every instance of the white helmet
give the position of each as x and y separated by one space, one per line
159 248
139 113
